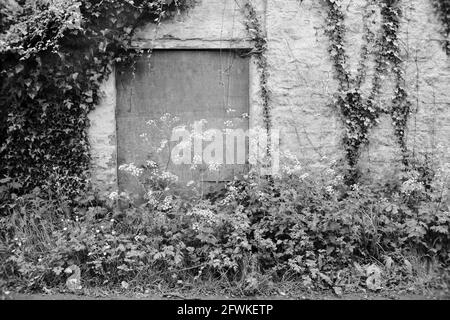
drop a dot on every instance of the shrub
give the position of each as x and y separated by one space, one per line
309 227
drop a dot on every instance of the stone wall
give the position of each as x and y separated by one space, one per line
301 79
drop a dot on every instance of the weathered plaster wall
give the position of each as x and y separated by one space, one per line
209 23
427 75
301 78
102 138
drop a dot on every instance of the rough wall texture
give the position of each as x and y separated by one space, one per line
427 75
102 138
301 79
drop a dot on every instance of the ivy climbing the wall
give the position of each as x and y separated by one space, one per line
255 28
53 55
442 8
360 114
401 106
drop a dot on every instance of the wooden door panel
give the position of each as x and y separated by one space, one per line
191 85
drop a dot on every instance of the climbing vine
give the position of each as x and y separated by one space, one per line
359 114
53 55
254 27
401 106
442 8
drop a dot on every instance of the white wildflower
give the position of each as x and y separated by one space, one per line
152 198
131 169
170 177
228 123
204 214
151 164
190 183
214 166
124 195
166 203
165 117
113 195
162 145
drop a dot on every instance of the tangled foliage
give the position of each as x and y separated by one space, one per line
295 227
255 28
53 56
443 10
311 228
360 114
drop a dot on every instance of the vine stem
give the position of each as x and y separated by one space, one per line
359 114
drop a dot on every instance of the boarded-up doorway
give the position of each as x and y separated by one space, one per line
190 85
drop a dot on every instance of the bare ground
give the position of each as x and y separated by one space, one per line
434 295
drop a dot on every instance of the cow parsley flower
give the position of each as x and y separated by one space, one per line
190 183
214 166
131 169
151 164
170 177
152 198
114 196
228 123
166 203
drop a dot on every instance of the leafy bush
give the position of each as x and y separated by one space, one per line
53 56
307 227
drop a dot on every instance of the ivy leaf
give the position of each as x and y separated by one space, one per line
19 68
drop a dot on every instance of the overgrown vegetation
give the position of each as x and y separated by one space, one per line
443 11
307 228
360 114
319 227
255 29
54 54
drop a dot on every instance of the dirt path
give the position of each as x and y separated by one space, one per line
391 296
